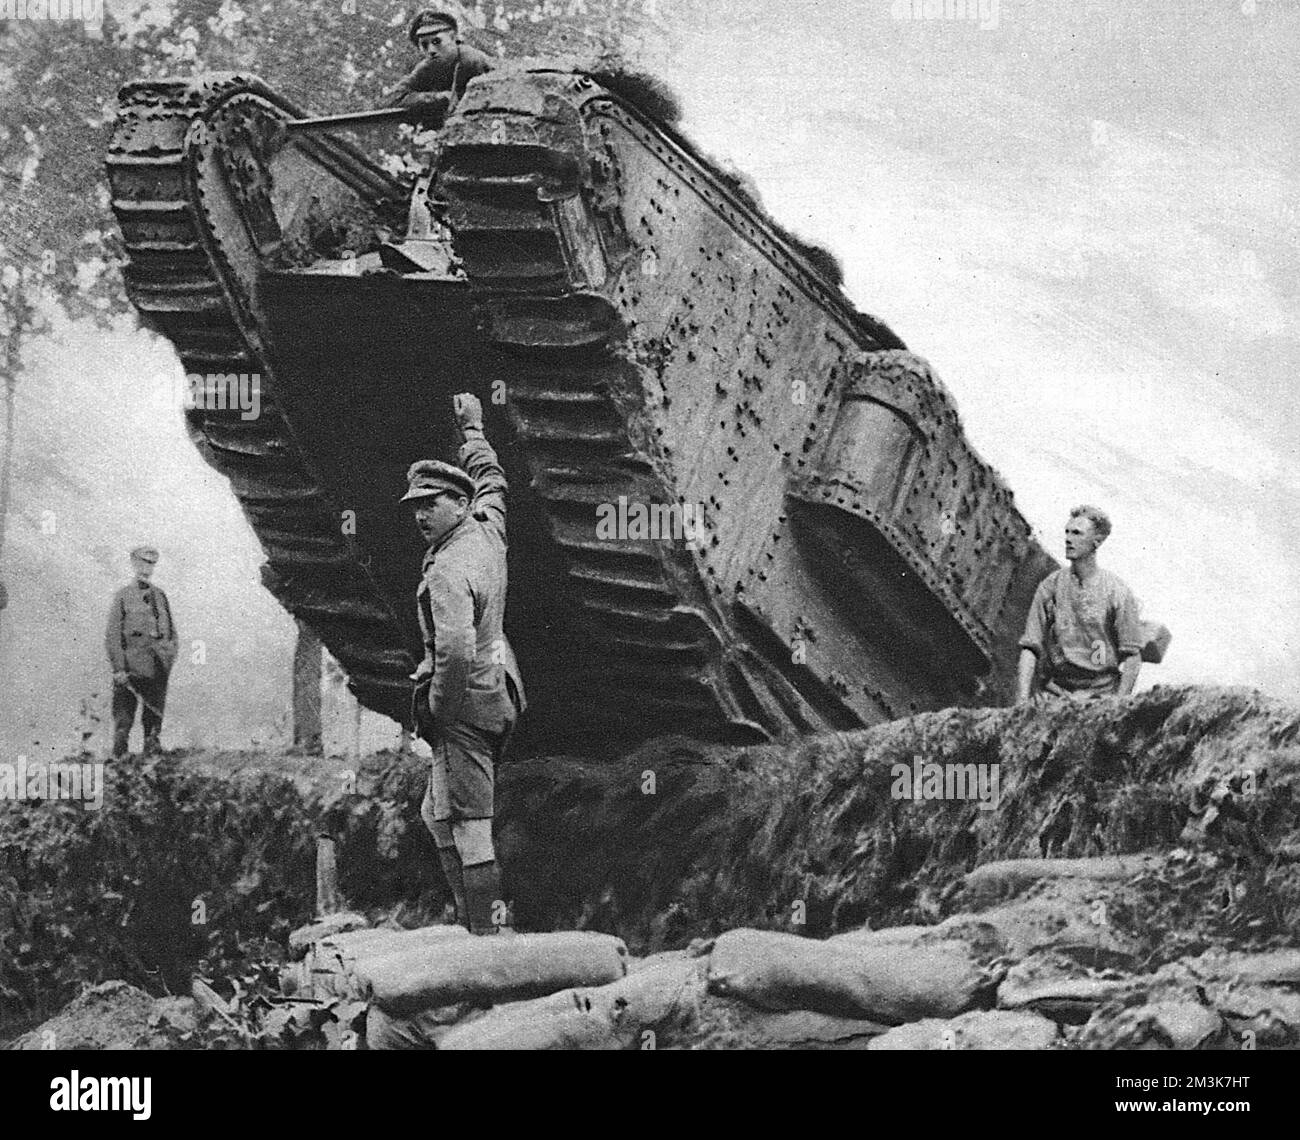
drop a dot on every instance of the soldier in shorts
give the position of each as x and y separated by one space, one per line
468 692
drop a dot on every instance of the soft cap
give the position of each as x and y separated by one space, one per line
428 477
427 20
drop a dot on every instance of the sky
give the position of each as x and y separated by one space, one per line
1086 216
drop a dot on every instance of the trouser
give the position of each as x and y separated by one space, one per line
1060 687
457 809
125 700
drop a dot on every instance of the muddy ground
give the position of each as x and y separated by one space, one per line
676 844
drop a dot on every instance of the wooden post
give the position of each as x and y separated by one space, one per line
307 659
356 737
328 900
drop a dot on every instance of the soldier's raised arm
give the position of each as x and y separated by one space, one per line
480 461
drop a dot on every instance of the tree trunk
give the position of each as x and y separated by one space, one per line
307 661
7 468
7 465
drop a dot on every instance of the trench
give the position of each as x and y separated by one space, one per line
202 863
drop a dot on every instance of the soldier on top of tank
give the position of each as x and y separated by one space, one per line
434 85
1083 637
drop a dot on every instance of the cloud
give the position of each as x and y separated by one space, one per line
1091 252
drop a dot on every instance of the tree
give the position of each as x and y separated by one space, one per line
58 87
308 659
19 318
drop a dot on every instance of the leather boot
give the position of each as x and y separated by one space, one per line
482 893
449 857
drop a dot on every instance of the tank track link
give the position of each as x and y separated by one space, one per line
182 279
662 656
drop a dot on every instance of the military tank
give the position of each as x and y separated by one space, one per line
740 508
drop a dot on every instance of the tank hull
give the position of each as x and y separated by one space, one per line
739 508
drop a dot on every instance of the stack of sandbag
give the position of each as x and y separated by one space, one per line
417 983
633 1012
340 964
490 971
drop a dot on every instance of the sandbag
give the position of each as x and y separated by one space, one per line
338 966
306 936
382 942
1279 967
1155 642
1007 878
1181 1023
803 1029
887 936
1269 1014
1066 922
886 983
979 1029
421 1031
1062 989
632 1013
492 970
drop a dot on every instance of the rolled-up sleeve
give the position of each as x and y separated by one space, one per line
1035 634
1128 623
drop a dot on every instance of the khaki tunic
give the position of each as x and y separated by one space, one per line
461 603
141 636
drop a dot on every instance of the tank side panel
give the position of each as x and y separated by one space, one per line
743 371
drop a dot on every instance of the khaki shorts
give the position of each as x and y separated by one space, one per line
1056 688
461 777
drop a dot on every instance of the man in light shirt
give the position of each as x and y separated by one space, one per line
1083 636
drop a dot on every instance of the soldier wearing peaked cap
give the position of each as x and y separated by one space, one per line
468 693
432 88
141 643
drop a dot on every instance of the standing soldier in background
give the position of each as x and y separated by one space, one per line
433 87
141 643
468 692
1083 636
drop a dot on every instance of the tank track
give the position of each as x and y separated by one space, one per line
662 654
184 283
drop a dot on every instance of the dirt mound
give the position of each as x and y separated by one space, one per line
676 842
114 1015
1090 848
